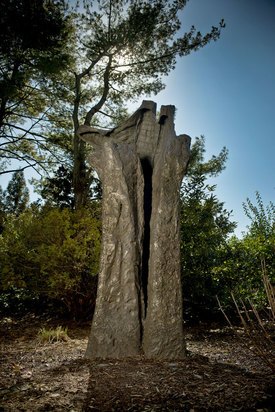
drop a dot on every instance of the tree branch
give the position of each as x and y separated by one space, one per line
4 100
192 43
104 96
78 78
25 130
26 160
23 168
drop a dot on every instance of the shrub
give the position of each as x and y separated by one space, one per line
54 254
240 270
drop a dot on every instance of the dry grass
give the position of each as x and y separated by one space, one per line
259 332
51 335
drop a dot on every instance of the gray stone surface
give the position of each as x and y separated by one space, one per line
139 305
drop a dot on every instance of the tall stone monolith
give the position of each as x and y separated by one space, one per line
139 304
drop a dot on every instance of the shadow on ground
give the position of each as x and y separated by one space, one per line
56 377
195 383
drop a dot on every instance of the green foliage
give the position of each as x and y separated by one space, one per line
240 270
62 61
27 26
205 226
262 218
136 41
57 190
2 209
52 253
16 196
120 51
212 264
16 300
33 38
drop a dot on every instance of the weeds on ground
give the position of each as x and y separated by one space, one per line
51 335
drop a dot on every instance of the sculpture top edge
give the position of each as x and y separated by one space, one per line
166 111
148 105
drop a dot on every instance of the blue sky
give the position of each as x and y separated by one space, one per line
226 92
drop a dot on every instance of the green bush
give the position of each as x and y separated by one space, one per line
240 270
205 226
54 254
19 300
212 264
241 261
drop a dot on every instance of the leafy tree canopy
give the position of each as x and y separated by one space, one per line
33 36
125 47
113 51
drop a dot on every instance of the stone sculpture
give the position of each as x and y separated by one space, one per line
139 304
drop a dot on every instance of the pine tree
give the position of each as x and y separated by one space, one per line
17 194
33 38
121 50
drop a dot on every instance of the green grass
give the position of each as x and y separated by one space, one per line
59 334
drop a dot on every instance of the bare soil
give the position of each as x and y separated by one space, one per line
220 373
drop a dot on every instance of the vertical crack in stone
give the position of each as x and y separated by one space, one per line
147 210
139 303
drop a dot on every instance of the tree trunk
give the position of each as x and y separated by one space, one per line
81 181
139 303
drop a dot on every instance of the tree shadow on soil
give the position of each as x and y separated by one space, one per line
137 384
57 377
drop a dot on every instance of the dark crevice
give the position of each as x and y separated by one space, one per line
162 119
147 210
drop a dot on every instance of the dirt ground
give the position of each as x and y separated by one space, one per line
220 373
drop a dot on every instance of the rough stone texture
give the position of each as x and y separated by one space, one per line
163 334
139 304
